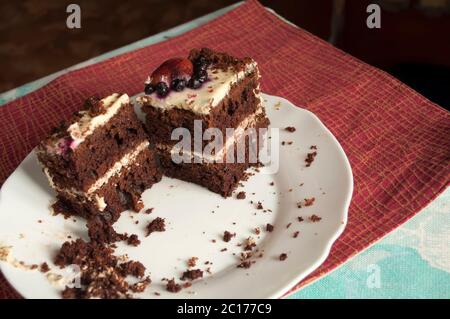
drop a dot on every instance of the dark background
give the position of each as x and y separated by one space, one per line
413 43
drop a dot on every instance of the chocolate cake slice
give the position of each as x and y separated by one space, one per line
100 161
206 90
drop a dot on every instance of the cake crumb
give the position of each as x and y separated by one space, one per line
149 211
309 201
314 218
283 256
306 202
192 262
295 235
228 235
290 129
245 264
310 158
249 243
241 195
288 225
259 205
269 228
300 219
133 240
172 286
156 225
192 274
44 268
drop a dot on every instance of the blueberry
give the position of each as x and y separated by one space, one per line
178 84
194 83
162 89
202 76
200 64
149 89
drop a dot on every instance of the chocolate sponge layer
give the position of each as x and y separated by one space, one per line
81 167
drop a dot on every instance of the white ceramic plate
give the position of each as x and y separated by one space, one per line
195 217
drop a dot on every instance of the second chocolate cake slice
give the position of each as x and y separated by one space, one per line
99 162
208 90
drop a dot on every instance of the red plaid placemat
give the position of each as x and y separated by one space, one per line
397 141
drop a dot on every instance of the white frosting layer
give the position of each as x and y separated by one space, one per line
87 124
127 160
203 99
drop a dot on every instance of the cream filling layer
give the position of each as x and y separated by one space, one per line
86 125
249 122
126 160
203 99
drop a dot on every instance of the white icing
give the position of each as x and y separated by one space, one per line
117 167
86 125
203 99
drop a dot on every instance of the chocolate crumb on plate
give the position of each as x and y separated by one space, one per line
44 267
249 243
259 205
288 225
314 218
310 158
156 225
102 274
309 201
192 274
245 264
241 195
140 286
149 211
295 235
300 219
133 240
172 286
290 129
283 256
192 262
101 231
269 228
228 235
306 202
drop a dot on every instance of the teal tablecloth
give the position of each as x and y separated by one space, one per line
411 262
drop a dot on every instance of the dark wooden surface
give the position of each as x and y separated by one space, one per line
36 42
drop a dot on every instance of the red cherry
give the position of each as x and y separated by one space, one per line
183 70
161 74
176 68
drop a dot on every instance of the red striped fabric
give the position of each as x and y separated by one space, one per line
397 141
